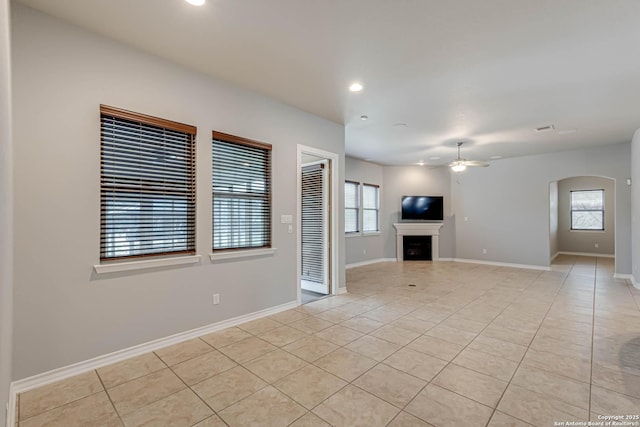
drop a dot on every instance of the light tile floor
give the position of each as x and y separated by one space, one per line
411 344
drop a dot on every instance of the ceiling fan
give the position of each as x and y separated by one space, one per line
460 164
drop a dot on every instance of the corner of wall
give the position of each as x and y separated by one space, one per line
635 209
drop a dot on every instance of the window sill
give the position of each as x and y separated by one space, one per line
587 231
249 253
145 264
355 234
371 233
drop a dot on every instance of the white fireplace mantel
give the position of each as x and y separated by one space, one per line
418 229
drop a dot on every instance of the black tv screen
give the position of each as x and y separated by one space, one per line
427 208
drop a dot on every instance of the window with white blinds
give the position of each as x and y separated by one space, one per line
351 207
241 183
370 208
147 183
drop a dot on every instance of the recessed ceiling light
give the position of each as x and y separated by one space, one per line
496 157
196 2
355 87
434 158
363 117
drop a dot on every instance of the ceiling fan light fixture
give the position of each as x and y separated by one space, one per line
458 167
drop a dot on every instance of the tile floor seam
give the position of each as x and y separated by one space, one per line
60 406
593 329
109 397
528 346
464 348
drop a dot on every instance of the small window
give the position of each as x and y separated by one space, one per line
370 208
241 184
351 207
147 186
587 210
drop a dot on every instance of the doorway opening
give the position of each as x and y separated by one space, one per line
581 219
317 222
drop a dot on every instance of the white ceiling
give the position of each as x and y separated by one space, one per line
482 71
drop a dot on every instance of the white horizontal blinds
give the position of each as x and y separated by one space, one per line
313 219
587 210
351 202
370 208
241 183
147 183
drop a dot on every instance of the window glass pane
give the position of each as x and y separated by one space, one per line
351 200
241 195
587 200
587 220
350 195
369 197
350 220
369 220
147 188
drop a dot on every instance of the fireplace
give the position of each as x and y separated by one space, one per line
421 230
416 248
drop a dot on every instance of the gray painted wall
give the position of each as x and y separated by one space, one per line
6 212
553 218
507 204
416 181
584 241
635 189
61 75
365 247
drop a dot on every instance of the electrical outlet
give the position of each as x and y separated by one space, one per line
216 299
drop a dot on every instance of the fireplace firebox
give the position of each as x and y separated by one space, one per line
416 248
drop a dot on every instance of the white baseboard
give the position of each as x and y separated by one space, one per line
342 291
584 254
628 277
44 378
447 259
504 264
371 261
554 257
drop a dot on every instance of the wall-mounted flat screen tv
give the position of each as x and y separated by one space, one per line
426 208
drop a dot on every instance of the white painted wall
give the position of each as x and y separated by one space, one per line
365 247
507 204
553 218
584 241
6 212
61 75
416 181
635 196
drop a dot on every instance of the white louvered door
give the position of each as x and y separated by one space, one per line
315 227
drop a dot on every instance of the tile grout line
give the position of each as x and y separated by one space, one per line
109 397
464 348
525 353
189 387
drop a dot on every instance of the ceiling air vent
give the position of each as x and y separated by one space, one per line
546 128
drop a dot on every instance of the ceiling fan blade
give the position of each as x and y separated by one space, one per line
476 163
